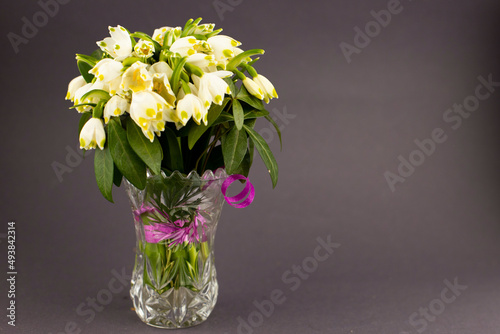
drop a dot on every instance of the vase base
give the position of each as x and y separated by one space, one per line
175 308
179 327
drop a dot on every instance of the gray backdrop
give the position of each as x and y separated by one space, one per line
350 107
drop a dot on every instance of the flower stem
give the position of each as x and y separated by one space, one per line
211 147
213 143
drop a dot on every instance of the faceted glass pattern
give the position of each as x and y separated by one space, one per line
174 282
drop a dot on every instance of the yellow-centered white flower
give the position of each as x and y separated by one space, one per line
73 86
267 87
137 78
161 67
205 97
212 87
188 46
253 88
92 134
116 106
119 45
107 70
84 90
223 48
184 46
147 110
161 85
78 97
162 73
191 106
159 34
237 51
144 49
115 86
201 60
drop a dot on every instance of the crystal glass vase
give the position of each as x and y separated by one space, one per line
174 283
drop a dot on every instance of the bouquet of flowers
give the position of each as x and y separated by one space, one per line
173 114
176 100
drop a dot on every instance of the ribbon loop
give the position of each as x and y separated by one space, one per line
248 192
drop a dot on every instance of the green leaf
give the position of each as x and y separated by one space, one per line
103 167
256 114
87 59
251 122
223 118
117 176
83 104
251 151
271 120
127 161
200 37
245 96
176 75
197 131
97 54
149 152
214 33
265 153
236 61
174 155
184 76
238 114
98 110
193 69
84 69
186 26
153 252
99 94
85 117
246 164
130 61
234 147
231 85
167 39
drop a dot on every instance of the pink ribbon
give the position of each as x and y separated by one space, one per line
248 192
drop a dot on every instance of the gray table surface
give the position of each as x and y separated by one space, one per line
422 257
